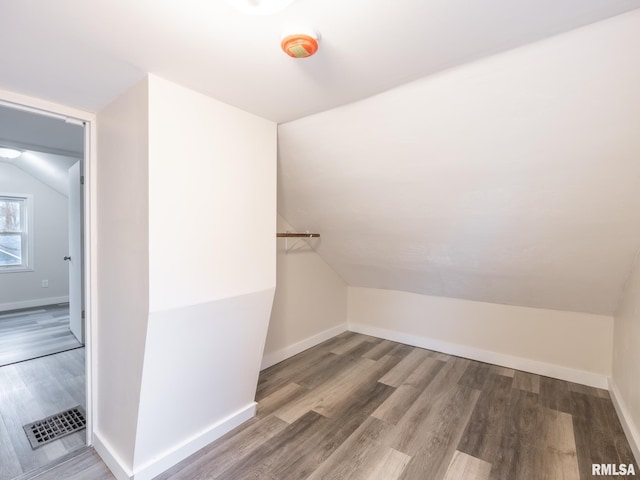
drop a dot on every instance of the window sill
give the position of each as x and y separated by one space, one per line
15 270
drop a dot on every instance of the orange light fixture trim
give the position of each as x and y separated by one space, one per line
299 45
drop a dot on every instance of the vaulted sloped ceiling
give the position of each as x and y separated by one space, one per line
514 179
49 145
85 53
510 178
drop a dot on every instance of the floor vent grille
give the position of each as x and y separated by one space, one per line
56 426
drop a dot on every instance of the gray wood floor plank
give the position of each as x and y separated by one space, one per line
595 392
9 464
555 394
439 394
354 453
516 453
226 452
278 450
380 411
599 437
32 390
424 373
86 466
444 425
352 343
466 467
33 333
296 409
557 456
482 435
380 350
506 372
618 438
291 369
527 381
384 463
397 375
323 369
476 375
401 350
359 350
280 398
309 454
336 400
18 407
394 408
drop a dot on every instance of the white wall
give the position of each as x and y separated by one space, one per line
212 215
122 272
50 243
625 383
569 345
212 276
511 180
310 304
187 217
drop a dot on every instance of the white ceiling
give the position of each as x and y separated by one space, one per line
84 54
504 177
515 179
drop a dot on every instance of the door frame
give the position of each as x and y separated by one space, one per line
71 115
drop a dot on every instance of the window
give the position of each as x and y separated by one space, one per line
14 233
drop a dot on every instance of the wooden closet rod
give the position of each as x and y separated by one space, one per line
297 235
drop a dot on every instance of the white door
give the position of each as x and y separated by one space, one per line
76 322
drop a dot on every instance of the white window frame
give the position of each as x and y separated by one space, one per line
27 233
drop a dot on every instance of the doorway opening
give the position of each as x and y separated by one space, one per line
42 284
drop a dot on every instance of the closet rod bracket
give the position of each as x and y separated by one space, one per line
296 235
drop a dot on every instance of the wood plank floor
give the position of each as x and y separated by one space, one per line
34 332
30 391
361 408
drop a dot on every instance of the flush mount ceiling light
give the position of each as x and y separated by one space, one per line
300 45
259 7
9 152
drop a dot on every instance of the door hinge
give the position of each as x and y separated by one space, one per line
82 180
82 315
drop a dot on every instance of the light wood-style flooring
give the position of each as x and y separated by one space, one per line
362 408
33 390
34 332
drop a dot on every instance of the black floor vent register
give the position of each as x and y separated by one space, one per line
56 426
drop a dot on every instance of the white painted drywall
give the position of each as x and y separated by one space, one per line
626 358
366 46
567 342
212 225
212 214
509 180
50 243
203 362
122 269
310 299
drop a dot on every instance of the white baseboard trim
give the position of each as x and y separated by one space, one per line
111 459
179 452
628 425
504 360
39 302
278 356
168 459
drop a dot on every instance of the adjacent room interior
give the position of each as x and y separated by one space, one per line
393 240
42 357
